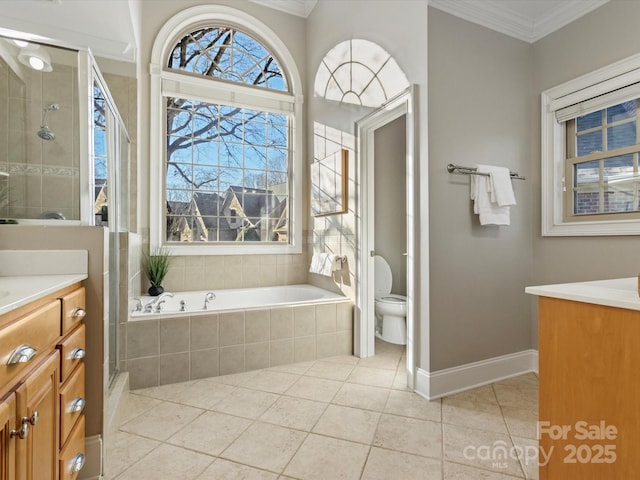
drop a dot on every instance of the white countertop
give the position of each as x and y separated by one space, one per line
618 292
16 291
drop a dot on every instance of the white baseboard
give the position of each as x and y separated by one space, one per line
92 468
433 385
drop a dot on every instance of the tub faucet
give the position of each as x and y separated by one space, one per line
139 307
209 297
157 302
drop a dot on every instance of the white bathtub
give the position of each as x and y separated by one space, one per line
192 303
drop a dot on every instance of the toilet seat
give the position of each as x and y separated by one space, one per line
392 298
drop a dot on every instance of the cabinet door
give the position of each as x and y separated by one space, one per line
7 443
37 404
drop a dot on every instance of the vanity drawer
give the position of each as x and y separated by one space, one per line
72 454
72 350
72 401
27 339
73 309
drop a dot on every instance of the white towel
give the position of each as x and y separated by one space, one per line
325 263
482 188
501 188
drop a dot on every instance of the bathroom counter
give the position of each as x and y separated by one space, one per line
16 291
618 292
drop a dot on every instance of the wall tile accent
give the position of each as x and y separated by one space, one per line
176 349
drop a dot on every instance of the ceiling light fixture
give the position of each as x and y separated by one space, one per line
36 58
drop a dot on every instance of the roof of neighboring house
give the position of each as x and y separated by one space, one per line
254 201
99 184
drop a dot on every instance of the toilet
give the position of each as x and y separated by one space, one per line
390 309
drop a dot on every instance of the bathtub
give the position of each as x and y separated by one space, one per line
241 330
229 300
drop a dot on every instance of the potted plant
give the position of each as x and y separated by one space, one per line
156 266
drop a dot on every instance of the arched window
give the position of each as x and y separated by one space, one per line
228 92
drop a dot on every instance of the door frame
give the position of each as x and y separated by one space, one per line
364 341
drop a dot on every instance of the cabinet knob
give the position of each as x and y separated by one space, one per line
35 416
79 313
22 433
24 429
77 463
22 354
78 405
77 354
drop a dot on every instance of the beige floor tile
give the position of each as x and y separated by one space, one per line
528 454
168 461
198 393
297 368
409 404
124 449
246 403
234 378
324 458
348 359
270 381
292 412
265 446
348 423
387 362
210 433
400 380
454 471
311 388
478 448
362 396
482 416
483 394
161 421
521 396
387 464
134 405
529 380
331 371
225 470
409 435
521 423
388 348
375 377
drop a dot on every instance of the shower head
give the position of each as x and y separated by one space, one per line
45 133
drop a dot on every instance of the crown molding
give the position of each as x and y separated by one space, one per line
493 15
300 8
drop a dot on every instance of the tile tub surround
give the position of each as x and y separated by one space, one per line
177 349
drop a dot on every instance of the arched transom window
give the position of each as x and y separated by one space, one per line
228 142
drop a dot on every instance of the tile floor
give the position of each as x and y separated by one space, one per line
336 418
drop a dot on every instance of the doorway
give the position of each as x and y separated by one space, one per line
401 106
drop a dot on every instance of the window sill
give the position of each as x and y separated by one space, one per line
227 249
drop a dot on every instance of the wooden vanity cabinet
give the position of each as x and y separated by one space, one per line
40 371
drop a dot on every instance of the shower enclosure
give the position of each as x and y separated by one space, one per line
64 149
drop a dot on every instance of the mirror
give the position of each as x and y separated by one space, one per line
39 125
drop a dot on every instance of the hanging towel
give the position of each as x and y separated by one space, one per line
501 188
490 213
325 263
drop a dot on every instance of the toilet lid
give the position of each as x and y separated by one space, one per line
383 279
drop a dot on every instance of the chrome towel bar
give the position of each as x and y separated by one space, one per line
451 168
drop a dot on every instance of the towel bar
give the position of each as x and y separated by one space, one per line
451 168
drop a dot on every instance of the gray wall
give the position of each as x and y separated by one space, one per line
479 104
390 218
562 56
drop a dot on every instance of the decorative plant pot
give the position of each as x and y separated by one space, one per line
155 290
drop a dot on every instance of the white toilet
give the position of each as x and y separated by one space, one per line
390 309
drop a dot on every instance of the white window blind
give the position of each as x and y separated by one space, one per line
600 102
